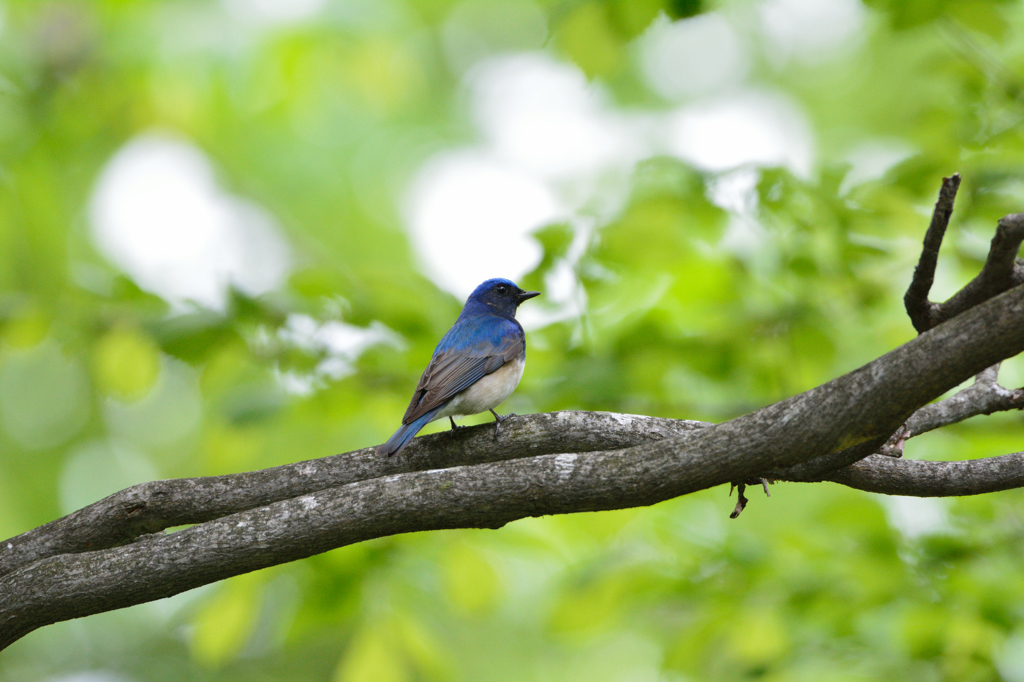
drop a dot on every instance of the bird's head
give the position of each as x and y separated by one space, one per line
501 296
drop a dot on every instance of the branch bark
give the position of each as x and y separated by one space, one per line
152 507
112 554
984 396
923 312
155 506
877 474
856 413
1002 269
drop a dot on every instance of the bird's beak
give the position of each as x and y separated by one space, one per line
525 296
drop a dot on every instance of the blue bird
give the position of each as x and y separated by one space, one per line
478 363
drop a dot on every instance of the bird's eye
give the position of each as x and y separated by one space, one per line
502 289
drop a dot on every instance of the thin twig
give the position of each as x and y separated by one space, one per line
984 396
919 308
1002 269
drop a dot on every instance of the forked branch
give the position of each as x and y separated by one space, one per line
114 554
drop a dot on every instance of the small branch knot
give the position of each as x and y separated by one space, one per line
741 500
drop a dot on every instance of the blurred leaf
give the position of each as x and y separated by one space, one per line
589 605
682 9
423 649
372 655
126 363
24 328
263 310
225 622
758 637
555 240
982 15
45 396
697 293
192 337
632 18
247 404
909 13
588 37
127 291
471 582
985 16
312 282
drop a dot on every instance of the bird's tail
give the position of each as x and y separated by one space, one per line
405 434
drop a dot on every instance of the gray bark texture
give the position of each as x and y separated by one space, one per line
115 553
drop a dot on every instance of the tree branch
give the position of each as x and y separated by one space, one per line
857 411
877 474
922 312
111 554
984 396
151 507
1002 269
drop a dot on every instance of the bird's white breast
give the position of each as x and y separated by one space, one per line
488 392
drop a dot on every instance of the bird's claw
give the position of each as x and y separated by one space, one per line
455 427
498 419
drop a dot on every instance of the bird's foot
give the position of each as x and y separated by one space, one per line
498 419
455 427
741 501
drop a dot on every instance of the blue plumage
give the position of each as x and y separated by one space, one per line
406 433
477 364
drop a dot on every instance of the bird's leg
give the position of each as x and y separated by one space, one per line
498 419
455 427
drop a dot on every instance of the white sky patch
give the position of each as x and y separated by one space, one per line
564 294
274 11
736 192
750 127
342 343
158 213
692 56
550 141
471 218
872 160
554 148
545 118
916 516
811 29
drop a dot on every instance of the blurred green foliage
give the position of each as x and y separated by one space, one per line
689 312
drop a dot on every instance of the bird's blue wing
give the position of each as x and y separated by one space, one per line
465 355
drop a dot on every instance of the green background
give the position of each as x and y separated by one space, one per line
102 385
